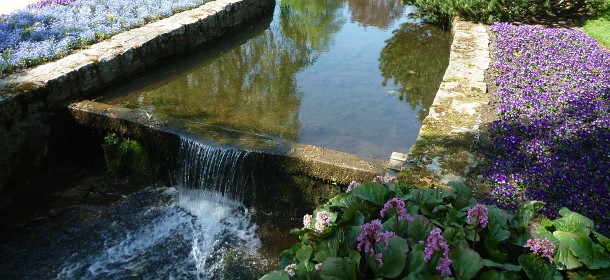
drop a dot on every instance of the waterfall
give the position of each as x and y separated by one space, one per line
223 170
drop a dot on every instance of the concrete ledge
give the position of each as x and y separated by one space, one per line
28 98
288 157
445 149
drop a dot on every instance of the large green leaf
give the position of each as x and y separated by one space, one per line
564 257
304 253
303 268
506 266
604 241
419 229
335 268
535 267
351 236
592 255
498 224
603 274
276 275
492 248
327 248
453 235
394 258
466 262
288 256
574 222
415 259
495 275
461 190
373 192
526 212
353 215
343 200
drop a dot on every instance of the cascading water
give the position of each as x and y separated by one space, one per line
201 229
168 233
223 170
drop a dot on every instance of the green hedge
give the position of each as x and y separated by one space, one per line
490 11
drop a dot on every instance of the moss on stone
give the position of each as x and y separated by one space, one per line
126 156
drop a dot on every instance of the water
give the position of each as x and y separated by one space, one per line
356 76
104 226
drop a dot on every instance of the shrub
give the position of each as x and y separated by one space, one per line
393 231
504 10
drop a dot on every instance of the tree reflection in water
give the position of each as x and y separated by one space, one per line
414 60
378 13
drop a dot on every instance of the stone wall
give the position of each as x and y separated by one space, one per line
280 157
448 147
29 99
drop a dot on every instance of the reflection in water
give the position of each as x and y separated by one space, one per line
415 58
311 24
309 76
378 13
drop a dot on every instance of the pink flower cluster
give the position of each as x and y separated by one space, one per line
307 220
478 214
542 247
370 235
384 180
398 206
436 242
352 186
291 269
323 219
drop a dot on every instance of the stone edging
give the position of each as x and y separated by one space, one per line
445 147
315 162
28 98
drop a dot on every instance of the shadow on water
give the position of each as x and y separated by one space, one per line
316 73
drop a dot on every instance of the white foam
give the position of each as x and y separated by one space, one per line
185 238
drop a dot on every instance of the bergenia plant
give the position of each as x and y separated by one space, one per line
391 231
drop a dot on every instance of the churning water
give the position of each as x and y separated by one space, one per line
197 229
186 233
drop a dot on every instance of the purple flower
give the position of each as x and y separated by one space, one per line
371 235
478 214
436 242
398 206
542 247
552 139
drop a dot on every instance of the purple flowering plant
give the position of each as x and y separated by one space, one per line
552 137
389 230
50 29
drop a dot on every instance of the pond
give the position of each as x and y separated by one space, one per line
356 76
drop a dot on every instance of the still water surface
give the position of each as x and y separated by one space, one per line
356 76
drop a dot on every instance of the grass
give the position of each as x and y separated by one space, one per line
599 27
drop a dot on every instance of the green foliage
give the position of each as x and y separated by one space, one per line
599 26
490 11
334 252
125 155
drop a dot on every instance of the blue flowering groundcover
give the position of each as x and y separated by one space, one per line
553 132
52 28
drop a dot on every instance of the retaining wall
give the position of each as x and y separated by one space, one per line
29 99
